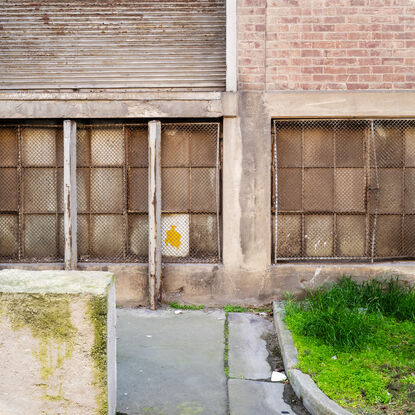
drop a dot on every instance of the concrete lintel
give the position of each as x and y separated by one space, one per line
109 96
109 108
382 104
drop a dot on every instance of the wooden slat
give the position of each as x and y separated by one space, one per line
154 213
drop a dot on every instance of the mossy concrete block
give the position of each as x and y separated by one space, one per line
57 343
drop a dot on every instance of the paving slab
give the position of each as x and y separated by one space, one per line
247 347
248 397
171 364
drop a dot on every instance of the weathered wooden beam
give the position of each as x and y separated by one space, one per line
70 202
154 213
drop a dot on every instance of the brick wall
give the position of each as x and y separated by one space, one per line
326 44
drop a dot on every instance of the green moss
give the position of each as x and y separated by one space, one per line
49 319
97 311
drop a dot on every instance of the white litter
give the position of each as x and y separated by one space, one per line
278 376
178 312
149 335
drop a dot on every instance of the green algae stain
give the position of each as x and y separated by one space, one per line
49 320
97 311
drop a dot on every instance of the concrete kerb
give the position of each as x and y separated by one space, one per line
316 402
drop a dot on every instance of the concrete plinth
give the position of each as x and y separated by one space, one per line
57 343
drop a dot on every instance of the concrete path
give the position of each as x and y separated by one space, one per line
173 364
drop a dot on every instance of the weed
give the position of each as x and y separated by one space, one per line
357 341
178 306
226 354
235 309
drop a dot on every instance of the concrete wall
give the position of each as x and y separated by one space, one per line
246 275
285 47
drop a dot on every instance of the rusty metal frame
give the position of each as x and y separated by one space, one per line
88 256
371 194
189 211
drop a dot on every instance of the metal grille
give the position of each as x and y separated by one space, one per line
112 182
190 158
343 189
31 189
144 45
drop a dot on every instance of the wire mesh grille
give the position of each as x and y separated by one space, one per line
112 182
343 189
112 192
190 158
31 189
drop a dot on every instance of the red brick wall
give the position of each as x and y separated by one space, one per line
326 44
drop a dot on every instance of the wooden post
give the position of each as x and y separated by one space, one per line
70 203
154 212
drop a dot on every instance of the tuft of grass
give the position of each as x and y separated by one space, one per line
345 313
357 341
235 309
178 306
226 352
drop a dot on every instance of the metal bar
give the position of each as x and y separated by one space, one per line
125 193
90 240
372 132
189 152
20 194
154 212
218 192
403 245
70 190
275 196
302 249
334 229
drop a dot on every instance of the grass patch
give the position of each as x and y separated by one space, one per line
235 309
178 306
357 341
226 354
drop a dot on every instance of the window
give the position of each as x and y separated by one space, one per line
343 189
112 192
31 193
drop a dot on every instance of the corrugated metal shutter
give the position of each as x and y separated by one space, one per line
120 44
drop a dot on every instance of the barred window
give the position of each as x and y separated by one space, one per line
343 189
112 192
31 189
190 192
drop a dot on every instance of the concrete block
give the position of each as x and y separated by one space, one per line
247 346
57 343
247 398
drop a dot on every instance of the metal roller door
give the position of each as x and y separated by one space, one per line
78 44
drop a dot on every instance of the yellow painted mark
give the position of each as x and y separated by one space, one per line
173 237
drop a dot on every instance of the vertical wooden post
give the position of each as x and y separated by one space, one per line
154 212
70 203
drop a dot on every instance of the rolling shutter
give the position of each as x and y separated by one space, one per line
117 44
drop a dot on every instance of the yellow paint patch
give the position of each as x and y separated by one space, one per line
173 237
